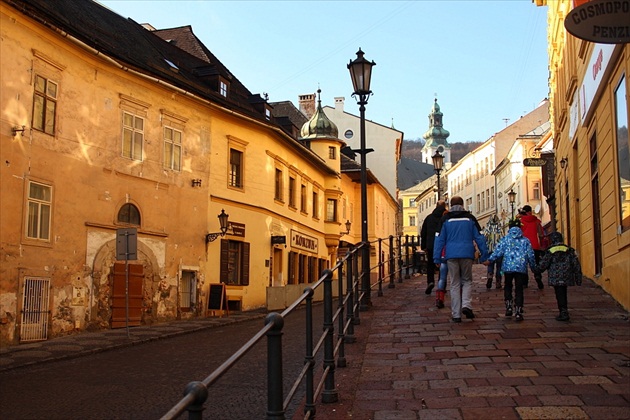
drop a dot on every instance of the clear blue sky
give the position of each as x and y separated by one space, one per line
485 61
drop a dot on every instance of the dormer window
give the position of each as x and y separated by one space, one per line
172 65
223 88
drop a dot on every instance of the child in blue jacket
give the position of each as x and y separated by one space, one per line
517 253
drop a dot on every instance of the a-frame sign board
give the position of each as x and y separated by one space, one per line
217 300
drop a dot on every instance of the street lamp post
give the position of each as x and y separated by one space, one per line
512 199
361 74
438 164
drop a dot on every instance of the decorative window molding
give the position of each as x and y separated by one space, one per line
48 60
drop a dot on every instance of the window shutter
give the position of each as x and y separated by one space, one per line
291 267
245 273
223 270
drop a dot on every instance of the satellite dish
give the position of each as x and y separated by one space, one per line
537 209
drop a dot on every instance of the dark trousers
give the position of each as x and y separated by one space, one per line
561 297
519 281
538 255
430 267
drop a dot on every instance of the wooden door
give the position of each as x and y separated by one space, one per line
119 295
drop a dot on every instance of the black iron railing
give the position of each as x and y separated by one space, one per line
395 256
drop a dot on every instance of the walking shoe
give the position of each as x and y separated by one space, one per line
519 313
429 288
457 320
439 301
489 283
468 313
518 317
563 317
540 284
508 308
499 286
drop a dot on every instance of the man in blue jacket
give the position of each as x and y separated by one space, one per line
459 229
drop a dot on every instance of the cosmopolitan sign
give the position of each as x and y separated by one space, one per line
600 21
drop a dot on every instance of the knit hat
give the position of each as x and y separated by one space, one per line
514 223
555 238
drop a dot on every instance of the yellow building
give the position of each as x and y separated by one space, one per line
118 144
589 91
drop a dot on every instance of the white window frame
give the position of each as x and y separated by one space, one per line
39 222
132 135
173 147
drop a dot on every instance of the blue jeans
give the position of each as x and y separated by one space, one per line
443 273
495 266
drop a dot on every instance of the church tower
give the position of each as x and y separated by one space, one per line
435 138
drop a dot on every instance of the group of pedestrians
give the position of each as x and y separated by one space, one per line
452 237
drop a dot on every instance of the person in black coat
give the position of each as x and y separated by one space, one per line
429 229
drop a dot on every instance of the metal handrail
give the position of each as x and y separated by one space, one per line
347 315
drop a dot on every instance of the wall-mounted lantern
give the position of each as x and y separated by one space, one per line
196 182
563 162
348 225
223 222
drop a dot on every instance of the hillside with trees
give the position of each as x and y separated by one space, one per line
411 149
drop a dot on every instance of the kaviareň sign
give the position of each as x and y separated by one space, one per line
600 21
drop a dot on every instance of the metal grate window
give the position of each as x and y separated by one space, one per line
35 312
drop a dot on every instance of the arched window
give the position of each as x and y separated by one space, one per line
129 214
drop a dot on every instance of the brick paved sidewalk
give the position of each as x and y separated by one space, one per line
411 362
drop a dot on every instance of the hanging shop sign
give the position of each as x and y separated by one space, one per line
534 162
600 21
303 242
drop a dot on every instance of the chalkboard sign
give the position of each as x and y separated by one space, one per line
218 297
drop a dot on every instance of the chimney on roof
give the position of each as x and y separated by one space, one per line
339 100
307 104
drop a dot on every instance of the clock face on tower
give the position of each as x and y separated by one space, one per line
440 148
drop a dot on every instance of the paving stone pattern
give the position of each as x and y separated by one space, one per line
411 362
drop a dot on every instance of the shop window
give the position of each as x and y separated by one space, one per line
623 156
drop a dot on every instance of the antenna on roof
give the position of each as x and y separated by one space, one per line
506 121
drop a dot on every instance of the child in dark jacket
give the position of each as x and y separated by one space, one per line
517 253
564 270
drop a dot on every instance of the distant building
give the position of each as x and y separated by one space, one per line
385 141
484 176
